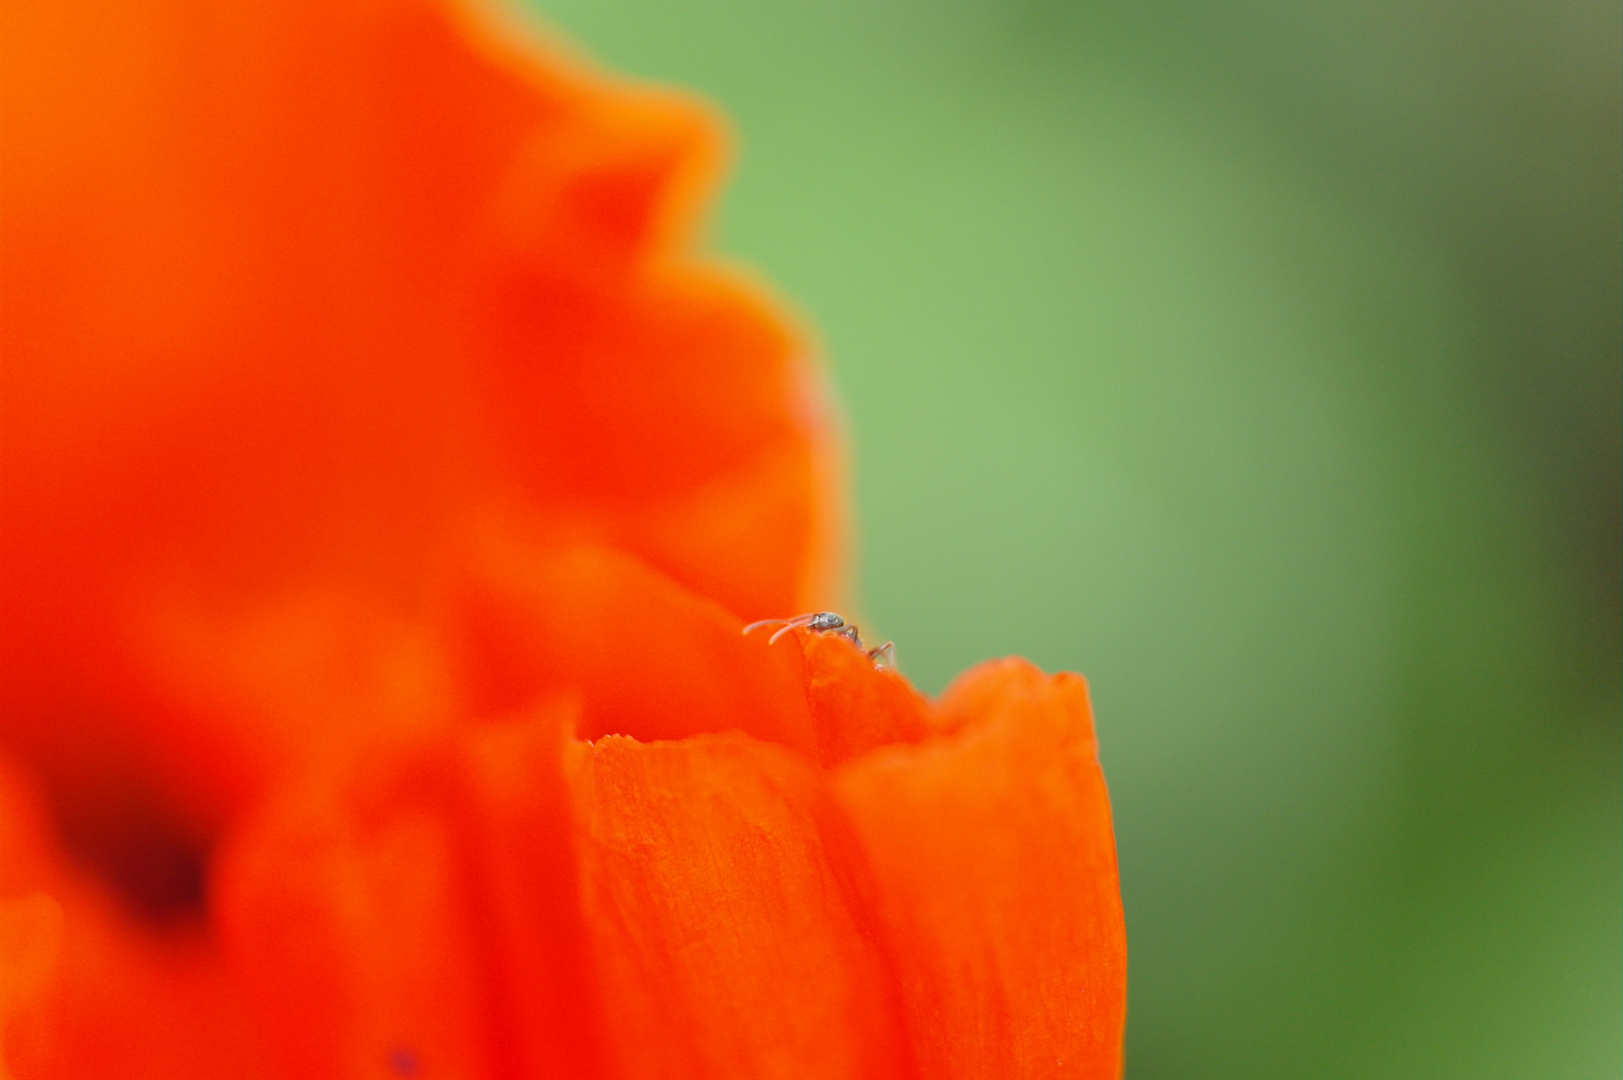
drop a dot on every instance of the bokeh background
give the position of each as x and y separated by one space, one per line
1260 360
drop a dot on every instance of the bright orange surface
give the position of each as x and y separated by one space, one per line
384 482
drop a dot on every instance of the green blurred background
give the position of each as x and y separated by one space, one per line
1260 360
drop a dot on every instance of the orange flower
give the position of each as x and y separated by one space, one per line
384 485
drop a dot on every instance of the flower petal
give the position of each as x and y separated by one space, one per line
345 913
520 838
649 658
856 705
418 910
721 912
30 939
293 291
997 882
123 998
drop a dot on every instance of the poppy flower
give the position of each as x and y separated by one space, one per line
385 479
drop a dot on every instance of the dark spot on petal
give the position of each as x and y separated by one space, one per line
150 857
403 1062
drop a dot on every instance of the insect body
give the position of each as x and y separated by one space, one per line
827 622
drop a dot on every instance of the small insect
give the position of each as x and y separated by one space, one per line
827 622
